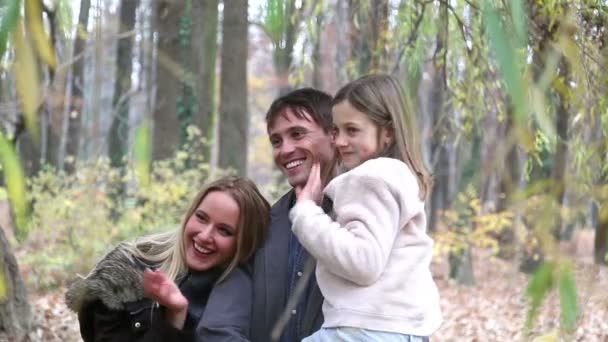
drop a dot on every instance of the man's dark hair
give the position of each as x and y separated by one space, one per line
304 101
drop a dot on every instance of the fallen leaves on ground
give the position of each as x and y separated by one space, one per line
494 309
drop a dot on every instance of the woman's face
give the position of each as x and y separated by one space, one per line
210 233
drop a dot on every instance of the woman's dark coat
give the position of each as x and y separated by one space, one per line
111 305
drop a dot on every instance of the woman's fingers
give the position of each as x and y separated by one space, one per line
163 290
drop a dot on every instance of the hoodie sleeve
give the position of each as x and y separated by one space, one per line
369 212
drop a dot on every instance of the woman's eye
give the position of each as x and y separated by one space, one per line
352 130
225 231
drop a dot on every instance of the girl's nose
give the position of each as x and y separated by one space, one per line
340 141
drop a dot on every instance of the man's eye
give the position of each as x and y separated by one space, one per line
275 142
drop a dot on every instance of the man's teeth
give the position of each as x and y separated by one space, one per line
202 249
294 164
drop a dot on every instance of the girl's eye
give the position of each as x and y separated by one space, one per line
201 217
351 130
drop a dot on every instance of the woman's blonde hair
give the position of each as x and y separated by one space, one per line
167 250
383 100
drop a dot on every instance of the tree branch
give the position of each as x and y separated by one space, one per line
412 37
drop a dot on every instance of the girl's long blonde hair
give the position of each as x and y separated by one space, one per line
383 100
167 250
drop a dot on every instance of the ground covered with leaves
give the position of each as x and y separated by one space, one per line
494 309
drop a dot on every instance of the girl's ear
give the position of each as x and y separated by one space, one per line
387 135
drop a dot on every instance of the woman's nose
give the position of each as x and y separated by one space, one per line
206 232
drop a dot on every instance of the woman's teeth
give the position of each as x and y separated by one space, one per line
202 249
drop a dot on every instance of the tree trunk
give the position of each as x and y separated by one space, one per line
342 42
317 61
600 250
561 152
119 130
509 178
168 72
234 119
76 102
15 312
368 27
283 49
436 109
204 52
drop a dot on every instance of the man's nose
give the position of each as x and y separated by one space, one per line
287 147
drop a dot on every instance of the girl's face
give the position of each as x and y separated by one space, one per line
357 137
210 233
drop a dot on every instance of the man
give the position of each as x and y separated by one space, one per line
282 294
300 130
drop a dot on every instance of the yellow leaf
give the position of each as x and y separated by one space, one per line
26 79
33 15
15 181
550 337
3 287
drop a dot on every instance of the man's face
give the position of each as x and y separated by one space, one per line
296 143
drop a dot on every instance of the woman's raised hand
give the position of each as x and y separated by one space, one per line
164 291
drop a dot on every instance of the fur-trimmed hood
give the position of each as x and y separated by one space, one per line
116 279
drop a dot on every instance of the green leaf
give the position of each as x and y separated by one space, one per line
143 153
509 61
567 297
8 22
15 182
541 283
520 18
275 19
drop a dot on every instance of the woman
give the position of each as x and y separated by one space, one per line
157 287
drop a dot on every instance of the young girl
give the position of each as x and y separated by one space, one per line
372 252
118 300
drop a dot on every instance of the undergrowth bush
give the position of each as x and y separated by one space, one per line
76 218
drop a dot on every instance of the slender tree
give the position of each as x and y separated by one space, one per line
119 130
72 143
204 52
234 118
169 72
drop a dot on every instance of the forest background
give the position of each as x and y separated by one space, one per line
113 113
